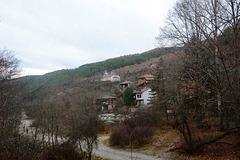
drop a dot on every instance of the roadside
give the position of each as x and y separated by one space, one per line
100 151
32 133
160 146
118 154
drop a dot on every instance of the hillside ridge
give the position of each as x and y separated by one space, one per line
34 85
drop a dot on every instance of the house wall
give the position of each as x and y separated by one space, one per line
141 80
148 81
115 78
146 96
107 104
111 107
140 102
104 79
139 98
112 104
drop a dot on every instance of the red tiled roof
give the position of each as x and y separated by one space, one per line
147 76
142 90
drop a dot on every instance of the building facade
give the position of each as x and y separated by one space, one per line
143 97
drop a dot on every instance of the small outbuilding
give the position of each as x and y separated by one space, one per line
106 101
125 84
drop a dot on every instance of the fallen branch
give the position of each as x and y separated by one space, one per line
232 130
224 143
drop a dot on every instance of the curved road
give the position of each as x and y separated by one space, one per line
116 154
101 150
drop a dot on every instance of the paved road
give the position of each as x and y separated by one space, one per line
101 151
27 123
116 154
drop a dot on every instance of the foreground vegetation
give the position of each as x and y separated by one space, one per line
197 89
201 89
196 93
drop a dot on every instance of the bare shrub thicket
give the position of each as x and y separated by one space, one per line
131 131
67 123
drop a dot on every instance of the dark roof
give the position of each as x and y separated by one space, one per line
126 82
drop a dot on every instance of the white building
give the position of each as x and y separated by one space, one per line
111 78
143 96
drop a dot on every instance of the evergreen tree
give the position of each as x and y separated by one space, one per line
128 96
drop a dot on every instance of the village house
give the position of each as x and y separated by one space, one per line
111 78
106 101
145 79
125 84
143 97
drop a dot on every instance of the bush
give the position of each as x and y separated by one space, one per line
63 152
141 135
131 131
152 118
103 128
120 135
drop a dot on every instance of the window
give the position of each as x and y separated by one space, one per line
139 96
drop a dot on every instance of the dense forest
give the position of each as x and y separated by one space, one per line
111 64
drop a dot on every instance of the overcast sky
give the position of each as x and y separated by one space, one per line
48 35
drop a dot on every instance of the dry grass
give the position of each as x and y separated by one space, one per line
166 141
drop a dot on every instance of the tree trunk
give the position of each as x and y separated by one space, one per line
220 110
89 155
227 118
166 113
217 65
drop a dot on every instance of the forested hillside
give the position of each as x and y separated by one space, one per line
110 64
34 85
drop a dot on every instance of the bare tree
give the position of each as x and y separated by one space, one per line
83 124
231 19
198 26
208 31
9 112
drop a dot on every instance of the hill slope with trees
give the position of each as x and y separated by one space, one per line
35 85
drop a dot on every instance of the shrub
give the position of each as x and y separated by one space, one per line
152 118
141 135
63 152
120 135
132 131
103 128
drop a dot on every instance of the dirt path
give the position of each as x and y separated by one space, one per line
116 154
